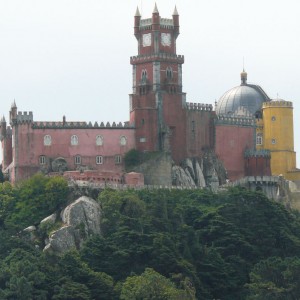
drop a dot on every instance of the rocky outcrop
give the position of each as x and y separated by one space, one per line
84 212
80 219
206 171
62 240
180 177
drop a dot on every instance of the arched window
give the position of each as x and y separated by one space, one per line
47 140
259 139
273 141
74 140
99 160
144 76
77 160
169 73
99 140
123 140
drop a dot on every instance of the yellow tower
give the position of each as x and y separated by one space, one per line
278 137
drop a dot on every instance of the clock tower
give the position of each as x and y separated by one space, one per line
157 103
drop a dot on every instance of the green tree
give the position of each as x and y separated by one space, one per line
152 285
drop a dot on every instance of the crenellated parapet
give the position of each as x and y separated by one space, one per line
24 117
169 57
199 106
278 103
235 120
80 125
257 153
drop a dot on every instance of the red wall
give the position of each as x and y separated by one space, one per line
230 145
29 146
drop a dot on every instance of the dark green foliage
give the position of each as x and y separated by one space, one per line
188 244
33 200
1 175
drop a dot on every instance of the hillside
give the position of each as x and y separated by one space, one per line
188 244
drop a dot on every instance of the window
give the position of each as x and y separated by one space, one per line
143 140
169 73
118 159
42 160
259 139
273 118
99 160
77 160
123 140
47 140
144 76
273 141
74 140
99 140
193 126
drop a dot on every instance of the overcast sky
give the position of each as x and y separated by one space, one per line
71 57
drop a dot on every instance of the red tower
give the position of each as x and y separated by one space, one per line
157 103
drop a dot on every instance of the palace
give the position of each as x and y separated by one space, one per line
251 134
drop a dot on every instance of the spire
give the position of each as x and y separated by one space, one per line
175 13
244 77
137 13
155 11
3 120
14 104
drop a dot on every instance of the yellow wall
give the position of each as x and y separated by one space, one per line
278 136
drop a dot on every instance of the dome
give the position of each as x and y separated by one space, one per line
243 100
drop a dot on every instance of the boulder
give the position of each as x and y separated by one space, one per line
84 213
49 220
81 219
61 240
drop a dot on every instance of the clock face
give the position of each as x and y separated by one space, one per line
166 39
146 39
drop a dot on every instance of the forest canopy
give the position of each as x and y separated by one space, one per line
155 244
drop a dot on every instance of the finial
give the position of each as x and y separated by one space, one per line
137 13
175 13
155 11
244 77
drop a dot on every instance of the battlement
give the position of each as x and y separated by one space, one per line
257 153
146 24
157 57
23 117
278 103
80 125
235 120
199 106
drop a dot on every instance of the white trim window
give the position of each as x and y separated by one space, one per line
118 159
99 159
42 160
99 140
74 140
77 160
47 140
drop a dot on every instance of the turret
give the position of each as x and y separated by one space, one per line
176 22
13 112
3 128
155 19
137 20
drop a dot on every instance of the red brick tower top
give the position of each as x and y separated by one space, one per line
157 103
